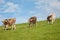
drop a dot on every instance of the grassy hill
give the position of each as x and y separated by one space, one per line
43 31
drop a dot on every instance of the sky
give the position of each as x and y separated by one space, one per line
22 10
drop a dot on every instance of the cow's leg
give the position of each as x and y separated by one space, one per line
6 26
48 22
35 24
13 27
52 21
30 24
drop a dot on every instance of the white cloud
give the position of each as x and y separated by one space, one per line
55 4
47 5
1 17
11 7
21 19
2 1
32 12
51 3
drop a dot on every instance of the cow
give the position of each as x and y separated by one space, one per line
9 23
32 21
51 18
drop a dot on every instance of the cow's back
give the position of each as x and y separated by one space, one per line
12 21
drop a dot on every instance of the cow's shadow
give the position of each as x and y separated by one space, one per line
8 29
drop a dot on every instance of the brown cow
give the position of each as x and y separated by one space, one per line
51 18
32 21
9 22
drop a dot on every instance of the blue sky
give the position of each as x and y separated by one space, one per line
22 10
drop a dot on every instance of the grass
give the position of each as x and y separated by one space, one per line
43 31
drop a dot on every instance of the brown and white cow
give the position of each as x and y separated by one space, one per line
32 21
9 22
51 18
